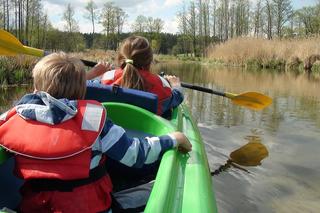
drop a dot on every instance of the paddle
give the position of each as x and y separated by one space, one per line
250 154
251 100
11 46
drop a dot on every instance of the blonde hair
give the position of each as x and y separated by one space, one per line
137 49
61 76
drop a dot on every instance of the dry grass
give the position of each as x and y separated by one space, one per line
243 50
96 55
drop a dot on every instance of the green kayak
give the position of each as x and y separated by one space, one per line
183 182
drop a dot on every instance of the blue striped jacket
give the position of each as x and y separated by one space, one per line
113 140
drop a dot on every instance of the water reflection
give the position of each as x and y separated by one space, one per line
286 181
289 91
251 154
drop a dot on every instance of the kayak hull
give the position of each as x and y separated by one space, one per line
183 182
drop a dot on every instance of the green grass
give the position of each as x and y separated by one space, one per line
15 70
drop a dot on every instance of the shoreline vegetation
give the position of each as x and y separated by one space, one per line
255 35
16 70
297 54
250 53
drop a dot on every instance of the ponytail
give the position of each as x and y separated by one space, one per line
134 54
131 77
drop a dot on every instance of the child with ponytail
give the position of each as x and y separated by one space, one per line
134 61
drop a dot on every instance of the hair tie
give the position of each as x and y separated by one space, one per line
129 61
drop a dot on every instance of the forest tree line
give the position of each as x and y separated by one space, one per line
201 23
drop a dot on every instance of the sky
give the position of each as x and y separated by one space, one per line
163 9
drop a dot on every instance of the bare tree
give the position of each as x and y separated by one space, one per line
158 25
72 39
269 13
283 11
214 19
2 12
140 24
121 17
107 17
91 13
257 18
68 17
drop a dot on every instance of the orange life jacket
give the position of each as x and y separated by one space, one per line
58 152
152 83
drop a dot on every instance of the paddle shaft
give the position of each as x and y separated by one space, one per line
202 89
89 63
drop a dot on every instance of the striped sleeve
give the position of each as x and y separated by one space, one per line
174 100
133 152
177 96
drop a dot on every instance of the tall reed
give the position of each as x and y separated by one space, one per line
243 51
16 70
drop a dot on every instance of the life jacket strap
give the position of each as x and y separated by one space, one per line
39 185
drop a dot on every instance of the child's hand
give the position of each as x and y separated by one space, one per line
99 69
174 81
184 145
102 67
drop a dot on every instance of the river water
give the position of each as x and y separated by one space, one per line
288 179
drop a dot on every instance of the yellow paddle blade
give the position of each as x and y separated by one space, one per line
250 154
11 46
252 100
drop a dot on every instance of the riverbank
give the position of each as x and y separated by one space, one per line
16 70
285 54
249 53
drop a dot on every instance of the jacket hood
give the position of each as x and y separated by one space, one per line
44 108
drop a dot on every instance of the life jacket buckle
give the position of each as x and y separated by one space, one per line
115 88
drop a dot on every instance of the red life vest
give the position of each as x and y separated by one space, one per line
152 83
61 151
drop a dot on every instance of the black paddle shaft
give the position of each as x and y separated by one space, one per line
89 63
199 88
202 89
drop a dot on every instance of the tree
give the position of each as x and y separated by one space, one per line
257 19
68 16
91 13
108 18
283 12
309 18
121 17
2 23
269 9
140 24
158 25
72 39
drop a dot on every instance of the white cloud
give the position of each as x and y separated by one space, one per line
59 25
53 9
164 10
169 3
171 26
99 3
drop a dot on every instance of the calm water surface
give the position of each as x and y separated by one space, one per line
288 179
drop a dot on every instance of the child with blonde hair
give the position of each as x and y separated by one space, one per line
62 142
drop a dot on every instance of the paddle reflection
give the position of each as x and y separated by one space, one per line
251 154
